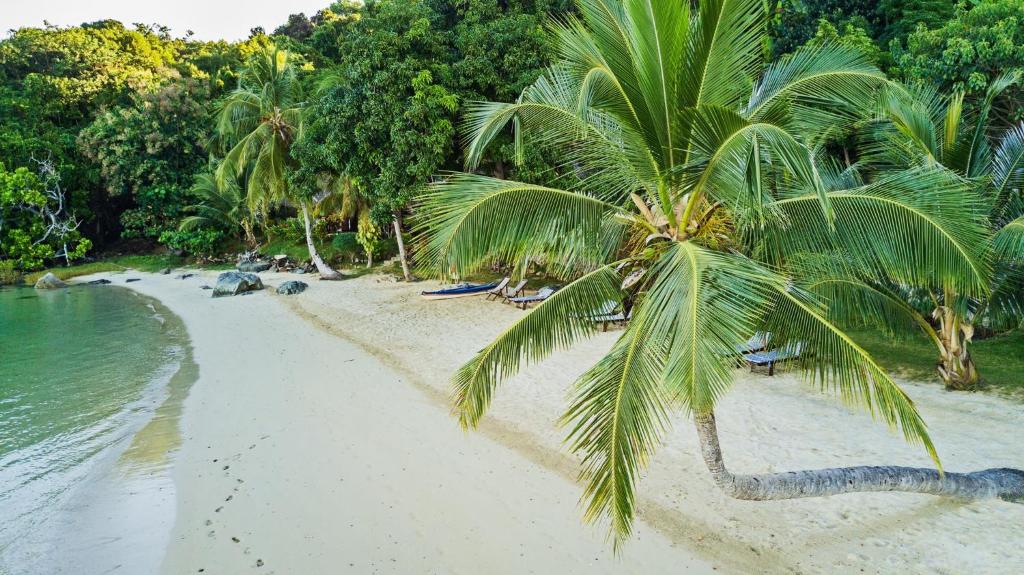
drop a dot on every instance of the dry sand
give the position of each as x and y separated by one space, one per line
318 436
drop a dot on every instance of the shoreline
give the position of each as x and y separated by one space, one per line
108 511
364 392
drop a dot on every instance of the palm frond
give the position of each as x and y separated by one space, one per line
618 414
724 47
918 227
467 219
833 361
816 89
1008 173
558 322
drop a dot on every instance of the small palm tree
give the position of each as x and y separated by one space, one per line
260 120
691 189
920 128
222 204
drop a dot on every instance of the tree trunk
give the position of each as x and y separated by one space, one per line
1004 483
326 273
956 366
401 247
250 237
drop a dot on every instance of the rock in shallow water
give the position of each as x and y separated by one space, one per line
253 267
50 281
292 287
234 283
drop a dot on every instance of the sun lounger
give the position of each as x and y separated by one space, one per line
757 342
770 358
541 295
515 291
499 290
607 317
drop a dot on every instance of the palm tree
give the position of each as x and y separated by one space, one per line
261 119
690 188
222 204
918 127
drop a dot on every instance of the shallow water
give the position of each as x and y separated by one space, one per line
91 384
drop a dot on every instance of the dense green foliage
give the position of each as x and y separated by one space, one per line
124 113
147 152
968 52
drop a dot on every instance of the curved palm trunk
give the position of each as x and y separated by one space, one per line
1004 483
956 366
326 273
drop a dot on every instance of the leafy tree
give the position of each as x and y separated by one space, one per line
385 117
259 122
851 36
35 223
897 19
52 81
795 22
969 52
693 198
298 27
149 151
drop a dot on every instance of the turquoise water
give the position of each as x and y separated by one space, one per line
91 383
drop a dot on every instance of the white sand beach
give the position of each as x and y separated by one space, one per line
318 439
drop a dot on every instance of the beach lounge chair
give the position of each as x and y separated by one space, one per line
757 342
515 291
608 317
499 290
772 357
541 295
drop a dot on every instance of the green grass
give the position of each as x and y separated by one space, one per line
1000 360
144 263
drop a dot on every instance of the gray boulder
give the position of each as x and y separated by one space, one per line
166 271
235 283
292 287
50 281
253 267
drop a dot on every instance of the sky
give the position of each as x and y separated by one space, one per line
209 19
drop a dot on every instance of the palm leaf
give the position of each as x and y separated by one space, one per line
559 321
467 219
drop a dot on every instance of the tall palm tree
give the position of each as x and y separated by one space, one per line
221 204
260 120
920 128
693 179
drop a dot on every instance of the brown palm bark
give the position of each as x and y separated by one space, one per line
956 366
326 273
1002 483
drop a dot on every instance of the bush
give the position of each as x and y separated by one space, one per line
293 230
9 273
346 245
201 242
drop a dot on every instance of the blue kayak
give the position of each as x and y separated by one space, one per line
460 290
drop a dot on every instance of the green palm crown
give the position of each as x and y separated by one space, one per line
693 185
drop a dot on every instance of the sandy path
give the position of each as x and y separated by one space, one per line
304 453
767 424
